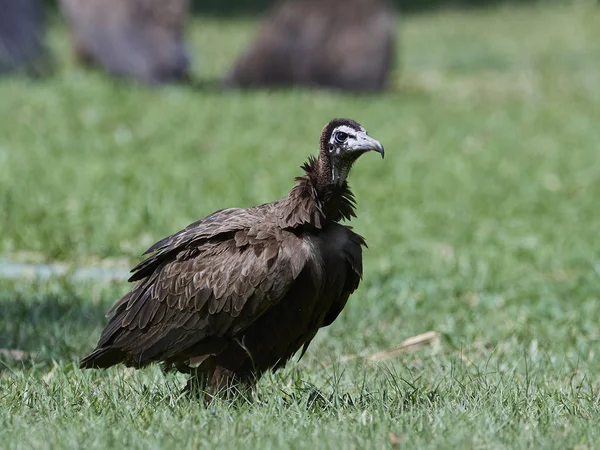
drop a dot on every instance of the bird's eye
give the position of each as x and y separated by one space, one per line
340 137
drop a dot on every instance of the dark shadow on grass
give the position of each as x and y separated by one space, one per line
49 327
321 399
396 394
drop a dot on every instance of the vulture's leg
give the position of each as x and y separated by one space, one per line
224 383
218 383
198 384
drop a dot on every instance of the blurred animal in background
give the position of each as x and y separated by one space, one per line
22 46
344 44
139 39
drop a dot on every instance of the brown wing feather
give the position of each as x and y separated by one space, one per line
205 283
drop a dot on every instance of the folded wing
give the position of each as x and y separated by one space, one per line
201 287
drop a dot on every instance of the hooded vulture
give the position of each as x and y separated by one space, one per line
137 39
242 290
341 44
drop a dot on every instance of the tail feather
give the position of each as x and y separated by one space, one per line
102 358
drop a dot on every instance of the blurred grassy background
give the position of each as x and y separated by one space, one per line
482 224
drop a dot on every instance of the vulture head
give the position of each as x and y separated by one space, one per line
342 142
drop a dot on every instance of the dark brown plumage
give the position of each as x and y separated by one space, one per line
344 44
139 39
22 46
240 291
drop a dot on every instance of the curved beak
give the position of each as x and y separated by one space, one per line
366 143
378 148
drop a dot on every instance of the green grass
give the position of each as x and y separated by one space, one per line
482 224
